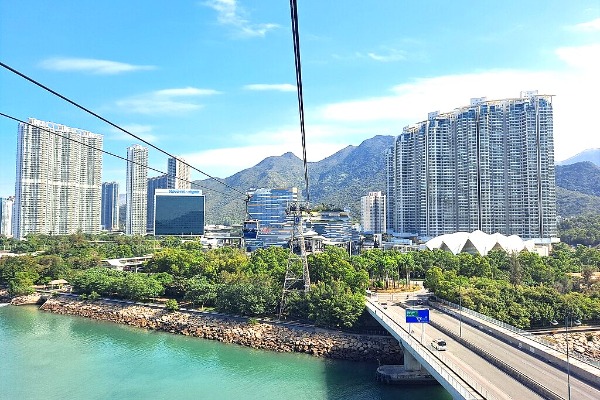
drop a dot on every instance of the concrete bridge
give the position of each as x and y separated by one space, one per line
483 361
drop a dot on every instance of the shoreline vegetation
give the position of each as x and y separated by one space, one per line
249 332
525 289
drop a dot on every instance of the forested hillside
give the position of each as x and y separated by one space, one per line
344 177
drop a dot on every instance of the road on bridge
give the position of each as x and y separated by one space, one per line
498 383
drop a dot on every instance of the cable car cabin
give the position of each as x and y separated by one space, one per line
250 229
313 243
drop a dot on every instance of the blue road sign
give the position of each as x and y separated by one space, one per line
418 315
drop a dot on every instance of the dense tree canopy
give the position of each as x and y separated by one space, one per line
523 289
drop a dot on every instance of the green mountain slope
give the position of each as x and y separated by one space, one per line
581 177
340 180
344 177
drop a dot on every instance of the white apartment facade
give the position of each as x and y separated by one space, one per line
58 179
137 190
373 213
488 166
6 213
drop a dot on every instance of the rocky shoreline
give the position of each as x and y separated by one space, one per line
263 335
584 343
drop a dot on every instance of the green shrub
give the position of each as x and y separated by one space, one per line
171 305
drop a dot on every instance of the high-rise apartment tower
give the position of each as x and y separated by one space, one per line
488 166
154 183
137 184
373 213
110 206
58 182
179 174
6 212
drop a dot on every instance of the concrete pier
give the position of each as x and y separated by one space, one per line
399 375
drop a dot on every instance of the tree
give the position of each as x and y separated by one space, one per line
249 296
171 305
20 285
433 278
586 275
270 261
176 261
140 287
199 291
334 305
332 265
516 271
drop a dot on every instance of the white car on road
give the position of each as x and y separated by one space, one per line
439 344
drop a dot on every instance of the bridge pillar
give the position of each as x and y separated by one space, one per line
411 363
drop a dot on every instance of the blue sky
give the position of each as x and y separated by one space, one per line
213 81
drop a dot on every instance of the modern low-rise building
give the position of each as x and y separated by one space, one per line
268 207
335 226
179 212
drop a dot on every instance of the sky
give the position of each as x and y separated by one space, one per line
213 81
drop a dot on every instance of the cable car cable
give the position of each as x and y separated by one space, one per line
296 39
113 124
107 152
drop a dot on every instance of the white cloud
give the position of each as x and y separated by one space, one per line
92 66
386 58
164 101
188 91
231 14
590 26
585 57
281 87
574 102
388 55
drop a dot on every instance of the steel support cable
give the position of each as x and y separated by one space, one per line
107 152
22 75
296 39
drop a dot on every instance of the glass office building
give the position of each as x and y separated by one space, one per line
268 206
178 212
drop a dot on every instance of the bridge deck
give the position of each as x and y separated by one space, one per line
490 381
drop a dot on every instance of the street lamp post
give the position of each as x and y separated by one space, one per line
460 311
568 363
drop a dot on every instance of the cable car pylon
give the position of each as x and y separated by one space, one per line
297 257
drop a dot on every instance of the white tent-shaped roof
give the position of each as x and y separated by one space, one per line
478 242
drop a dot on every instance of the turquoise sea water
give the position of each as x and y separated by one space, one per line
48 356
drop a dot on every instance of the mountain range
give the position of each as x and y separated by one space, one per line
341 179
591 155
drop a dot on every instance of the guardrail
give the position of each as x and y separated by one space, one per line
462 382
520 332
508 369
